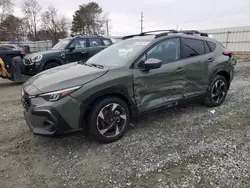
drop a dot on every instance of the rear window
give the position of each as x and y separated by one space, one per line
192 47
212 46
107 42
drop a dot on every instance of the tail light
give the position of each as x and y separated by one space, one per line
21 49
227 53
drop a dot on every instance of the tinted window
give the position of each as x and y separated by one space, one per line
166 51
212 46
107 42
192 47
95 42
207 48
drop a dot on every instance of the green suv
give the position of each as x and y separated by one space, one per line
78 48
141 73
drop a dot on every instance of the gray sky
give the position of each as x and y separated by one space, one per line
161 14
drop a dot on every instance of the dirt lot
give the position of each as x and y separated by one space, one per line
186 146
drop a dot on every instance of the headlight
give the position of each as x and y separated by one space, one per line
57 95
36 58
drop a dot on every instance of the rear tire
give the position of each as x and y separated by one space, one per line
216 92
51 65
109 119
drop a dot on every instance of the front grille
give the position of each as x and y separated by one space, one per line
26 101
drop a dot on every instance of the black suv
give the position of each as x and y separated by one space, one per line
72 49
136 75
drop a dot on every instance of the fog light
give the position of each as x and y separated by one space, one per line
49 126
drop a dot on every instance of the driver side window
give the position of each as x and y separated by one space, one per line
166 51
79 43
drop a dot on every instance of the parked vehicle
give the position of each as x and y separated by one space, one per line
10 63
15 47
141 73
72 49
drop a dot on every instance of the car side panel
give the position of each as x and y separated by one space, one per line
116 81
158 87
221 63
197 77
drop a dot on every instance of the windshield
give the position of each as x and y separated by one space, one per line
120 52
61 45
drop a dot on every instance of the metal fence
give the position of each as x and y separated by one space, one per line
34 46
236 39
38 46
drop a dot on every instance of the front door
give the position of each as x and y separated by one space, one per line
196 54
79 51
163 86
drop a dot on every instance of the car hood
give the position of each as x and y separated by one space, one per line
62 77
28 56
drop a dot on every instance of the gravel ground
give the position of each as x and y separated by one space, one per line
187 146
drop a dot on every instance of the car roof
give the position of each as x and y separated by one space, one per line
87 36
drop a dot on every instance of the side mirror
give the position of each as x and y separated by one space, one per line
151 64
72 48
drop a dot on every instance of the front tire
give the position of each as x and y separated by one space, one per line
217 91
50 65
109 119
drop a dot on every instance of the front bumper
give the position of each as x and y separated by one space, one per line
46 121
47 118
29 69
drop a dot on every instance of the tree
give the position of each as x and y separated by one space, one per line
6 8
88 19
12 28
56 27
31 9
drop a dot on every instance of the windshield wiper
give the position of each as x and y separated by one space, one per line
94 65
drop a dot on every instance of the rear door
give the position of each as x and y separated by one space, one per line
95 45
195 53
162 86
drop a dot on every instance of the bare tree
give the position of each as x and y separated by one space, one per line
56 27
31 9
6 8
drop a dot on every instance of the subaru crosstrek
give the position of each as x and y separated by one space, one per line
136 75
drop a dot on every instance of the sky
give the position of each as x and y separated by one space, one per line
125 15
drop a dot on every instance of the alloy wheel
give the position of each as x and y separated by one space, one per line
219 91
111 120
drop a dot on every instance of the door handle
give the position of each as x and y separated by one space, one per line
180 69
211 59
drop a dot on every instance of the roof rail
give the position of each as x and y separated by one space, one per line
129 36
148 32
80 35
168 30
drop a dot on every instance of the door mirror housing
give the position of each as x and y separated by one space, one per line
151 63
72 48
